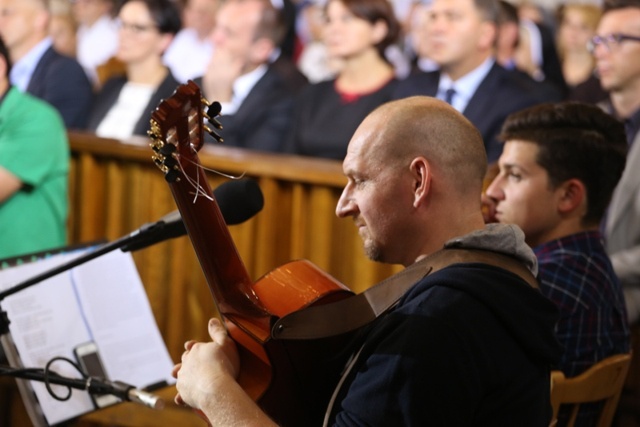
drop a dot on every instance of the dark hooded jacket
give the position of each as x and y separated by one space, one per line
469 345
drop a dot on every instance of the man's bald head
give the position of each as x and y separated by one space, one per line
425 126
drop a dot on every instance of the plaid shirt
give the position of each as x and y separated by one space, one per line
576 274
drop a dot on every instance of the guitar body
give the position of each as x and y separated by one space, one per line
292 380
295 377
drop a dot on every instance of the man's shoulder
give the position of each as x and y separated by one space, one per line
288 74
418 83
27 114
54 58
577 265
22 103
515 87
57 69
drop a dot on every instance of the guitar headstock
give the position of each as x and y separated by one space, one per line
177 128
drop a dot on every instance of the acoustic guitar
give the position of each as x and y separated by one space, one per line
292 380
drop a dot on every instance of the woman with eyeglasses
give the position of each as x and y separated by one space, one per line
578 23
124 104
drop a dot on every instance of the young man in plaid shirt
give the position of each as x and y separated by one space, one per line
558 169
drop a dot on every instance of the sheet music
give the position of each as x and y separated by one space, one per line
102 301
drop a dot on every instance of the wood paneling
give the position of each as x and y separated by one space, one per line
116 188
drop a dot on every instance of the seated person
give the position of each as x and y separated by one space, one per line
469 78
191 49
123 106
256 90
356 34
577 26
558 169
467 345
34 164
97 35
63 28
38 68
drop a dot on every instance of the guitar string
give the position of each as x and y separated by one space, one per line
196 184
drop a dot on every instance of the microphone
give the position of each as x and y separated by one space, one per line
124 391
238 201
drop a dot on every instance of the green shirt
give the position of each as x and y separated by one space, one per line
34 147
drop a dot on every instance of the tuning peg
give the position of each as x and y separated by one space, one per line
216 124
214 109
172 175
167 150
213 133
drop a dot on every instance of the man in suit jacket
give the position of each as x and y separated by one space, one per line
619 70
40 70
256 93
461 40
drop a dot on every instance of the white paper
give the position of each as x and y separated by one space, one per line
102 301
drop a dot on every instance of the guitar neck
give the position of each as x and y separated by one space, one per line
223 268
177 135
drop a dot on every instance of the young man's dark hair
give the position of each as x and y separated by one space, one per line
575 140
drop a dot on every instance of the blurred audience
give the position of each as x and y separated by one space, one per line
616 47
314 61
37 67
536 55
124 104
63 28
460 38
248 76
357 34
97 34
508 35
191 49
577 25
34 164
418 48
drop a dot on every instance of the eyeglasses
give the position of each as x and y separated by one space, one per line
135 28
610 41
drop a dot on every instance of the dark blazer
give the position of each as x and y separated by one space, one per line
62 82
109 95
498 95
264 118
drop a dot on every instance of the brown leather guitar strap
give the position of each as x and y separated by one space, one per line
356 311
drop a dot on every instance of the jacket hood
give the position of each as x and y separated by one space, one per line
528 316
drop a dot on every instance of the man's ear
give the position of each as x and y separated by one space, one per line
421 179
261 50
488 35
573 196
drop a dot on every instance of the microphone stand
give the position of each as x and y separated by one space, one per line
145 235
91 384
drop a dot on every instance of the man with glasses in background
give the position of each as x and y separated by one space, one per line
616 48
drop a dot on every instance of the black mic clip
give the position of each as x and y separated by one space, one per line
123 391
167 227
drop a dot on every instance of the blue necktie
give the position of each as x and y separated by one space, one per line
448 95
